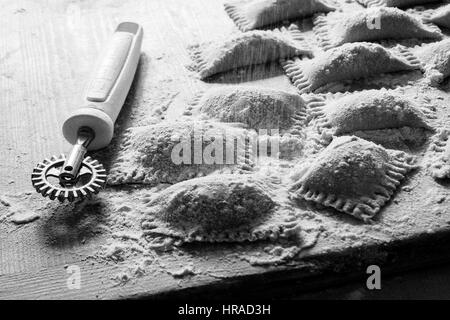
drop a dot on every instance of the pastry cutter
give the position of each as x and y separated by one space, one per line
91 126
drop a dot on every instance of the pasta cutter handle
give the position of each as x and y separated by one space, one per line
108 87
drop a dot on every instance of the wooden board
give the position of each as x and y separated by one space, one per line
46 53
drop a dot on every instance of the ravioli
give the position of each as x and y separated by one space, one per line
368 110
254 14
353 176
439 164
395 3
440 17
351 61
372 24
406 139
436 57
217 208
170 152
259 108
246 49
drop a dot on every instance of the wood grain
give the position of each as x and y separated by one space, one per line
47 49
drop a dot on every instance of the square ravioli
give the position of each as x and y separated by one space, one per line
170 152
254 14
246 49
373 24
350 61
347 113
258 108
217 208
353 176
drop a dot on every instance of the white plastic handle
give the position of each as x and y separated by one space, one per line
108 87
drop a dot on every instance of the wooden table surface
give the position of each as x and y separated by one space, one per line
47 49
46 54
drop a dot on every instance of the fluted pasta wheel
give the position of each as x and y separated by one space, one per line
46 181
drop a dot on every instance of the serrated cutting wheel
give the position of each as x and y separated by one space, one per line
91 126
46 179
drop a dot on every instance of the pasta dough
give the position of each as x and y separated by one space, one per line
353 176
250 48
436 57
216 208
170 152
369 110
440 17
439 165
350 61
338 28
254 14
256 107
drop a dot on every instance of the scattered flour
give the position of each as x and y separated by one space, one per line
16 213
119 223
182 272
23 216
